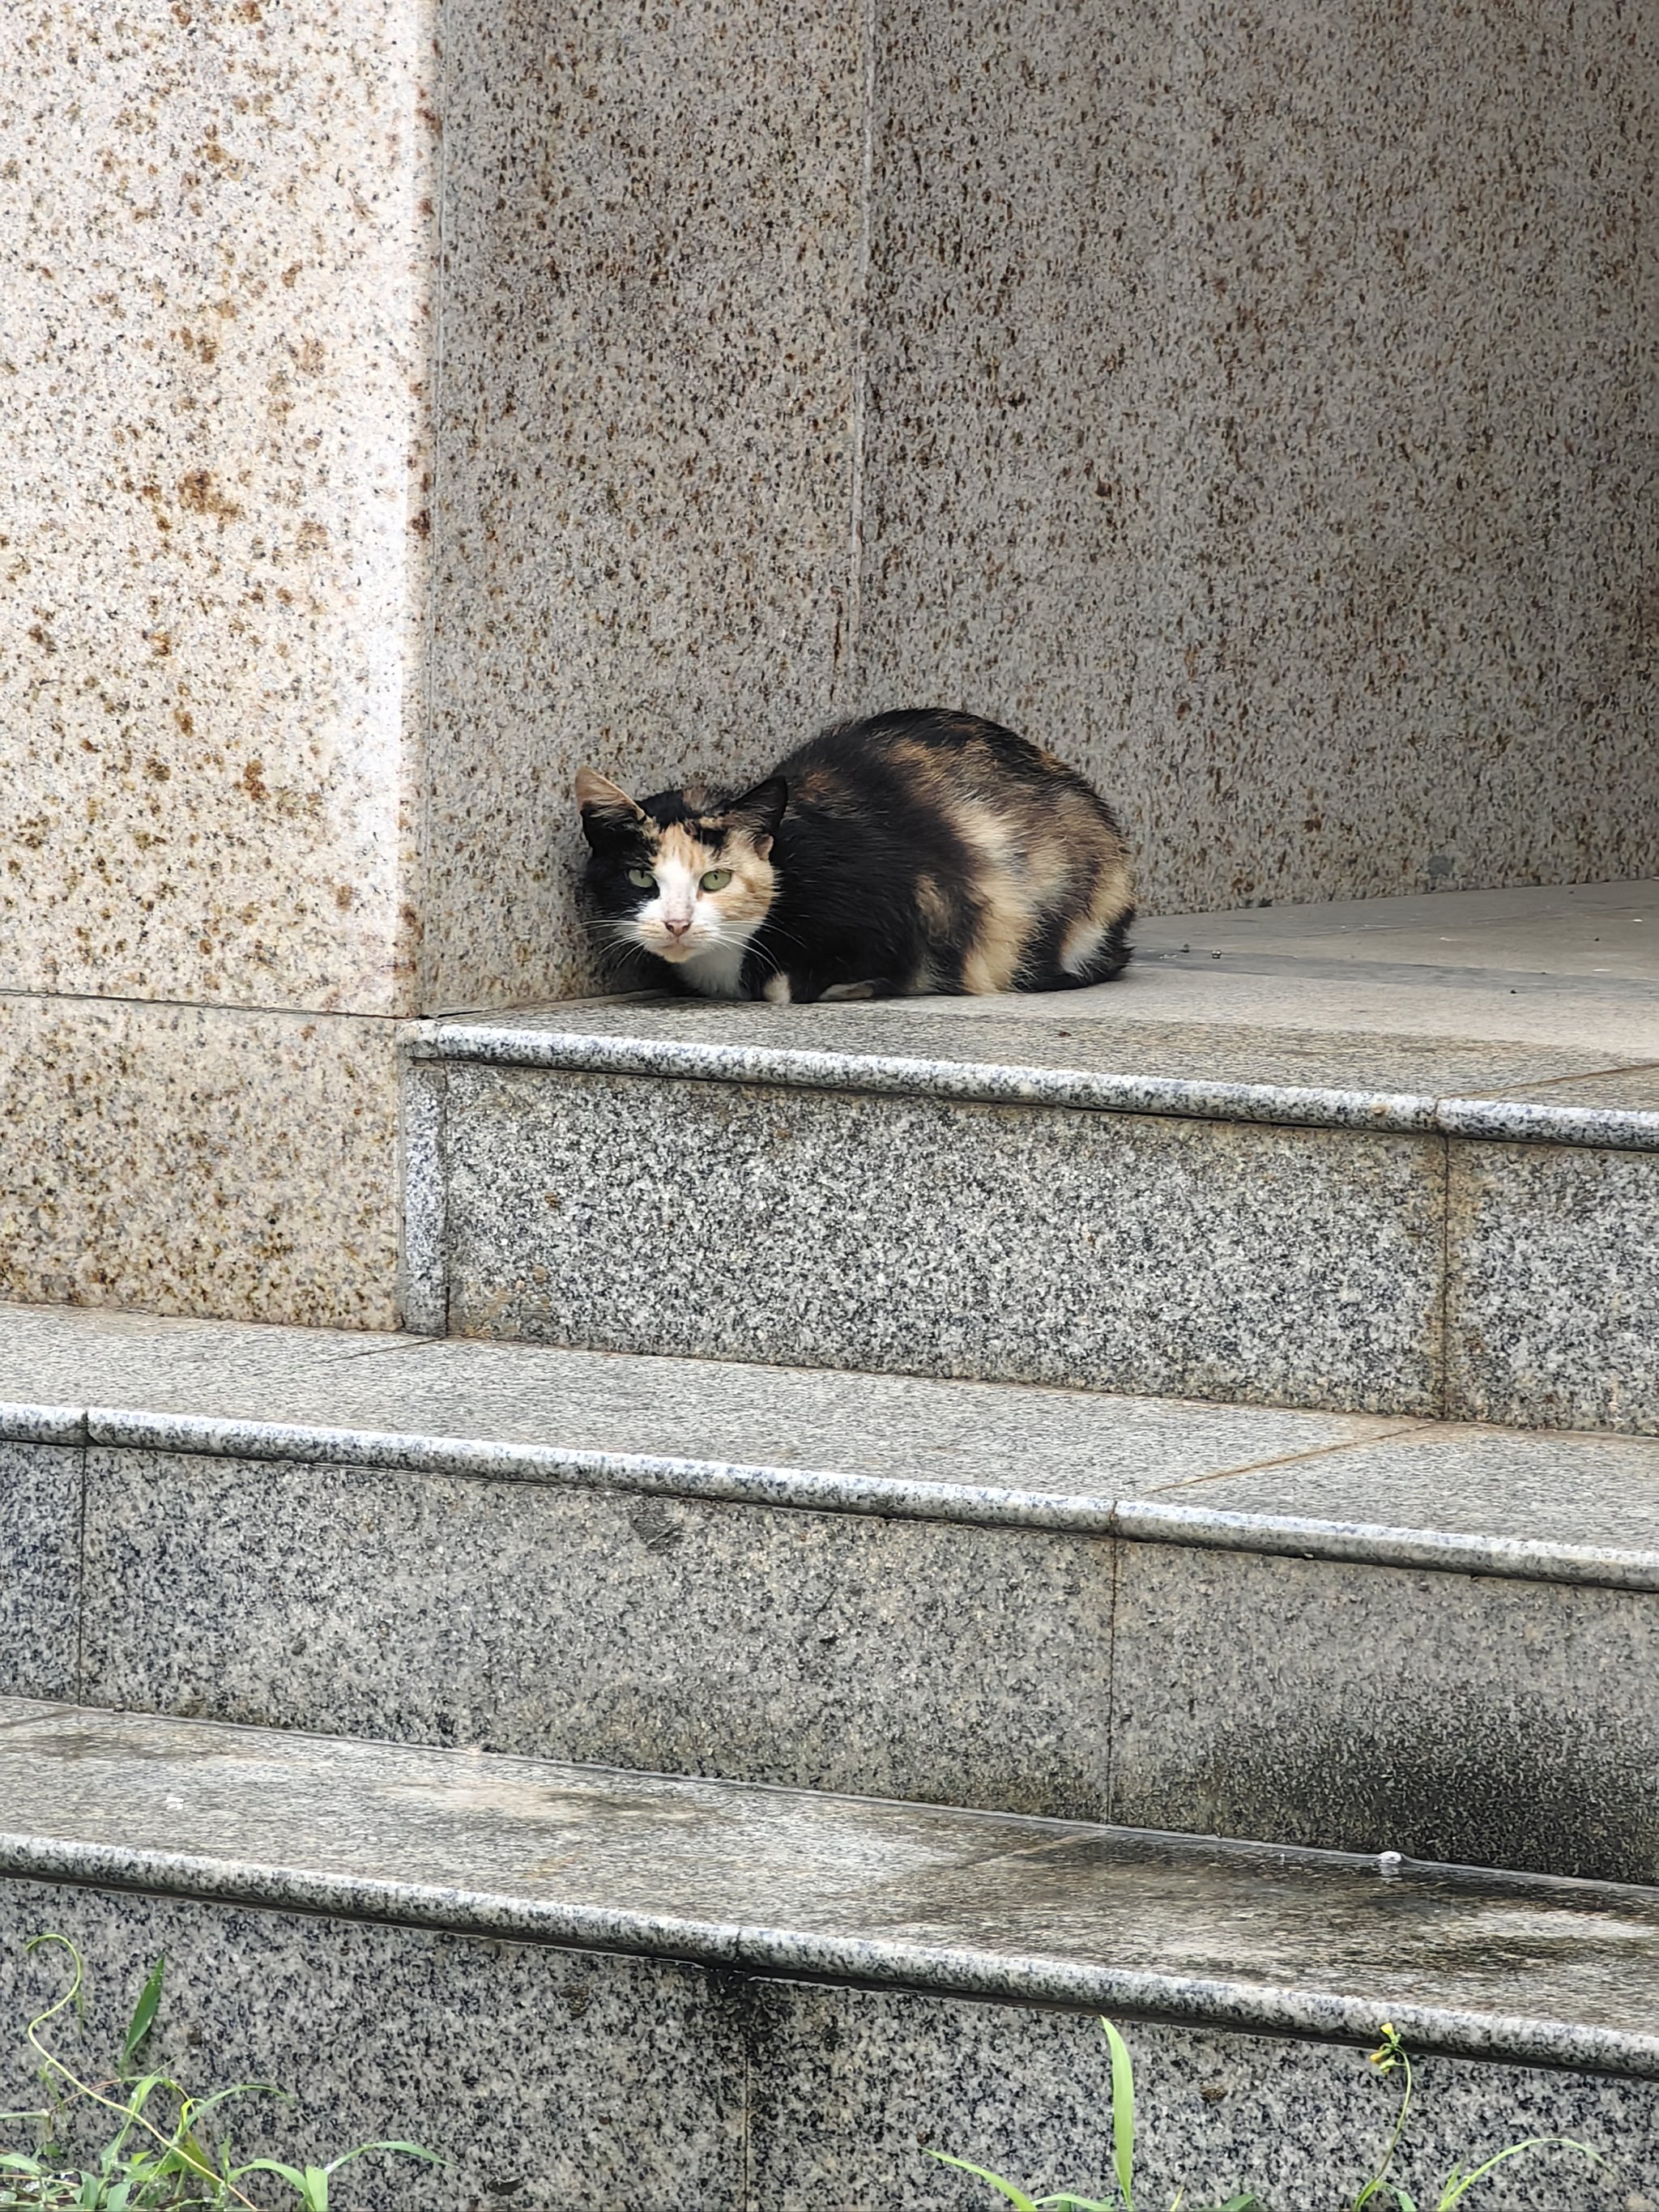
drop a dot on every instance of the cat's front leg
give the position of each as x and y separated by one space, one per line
784 989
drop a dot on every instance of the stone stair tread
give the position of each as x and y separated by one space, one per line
796 1883
1087 1050
1533 1013
1541 1504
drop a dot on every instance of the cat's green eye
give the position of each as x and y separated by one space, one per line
716 879
643 878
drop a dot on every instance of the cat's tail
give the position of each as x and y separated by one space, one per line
1110 955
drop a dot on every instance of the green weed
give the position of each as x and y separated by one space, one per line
1377 2189
156 2157
1392 2054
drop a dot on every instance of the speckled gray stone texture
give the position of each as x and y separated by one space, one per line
849 2085
39 1586
1121 1252
1565 1508
859 1442
797 1883
1555 1507
1553 1287
74 1357
1368 540
643 525
587 2081
1491 1723
1080 1032
1235 339
422 1291
1622 1091
952 1664
1609 639
1019 216
1079 1056
1595 936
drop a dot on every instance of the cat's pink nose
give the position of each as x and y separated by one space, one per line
675 929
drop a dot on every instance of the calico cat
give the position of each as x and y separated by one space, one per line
915 852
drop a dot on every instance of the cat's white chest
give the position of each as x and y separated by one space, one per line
718 972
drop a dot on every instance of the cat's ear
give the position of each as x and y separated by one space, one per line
605 807
758 812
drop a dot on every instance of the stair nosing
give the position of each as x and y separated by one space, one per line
1156 1517
1279 2004
1491 1120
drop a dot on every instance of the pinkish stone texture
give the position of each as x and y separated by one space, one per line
217 237
198 1160
406 402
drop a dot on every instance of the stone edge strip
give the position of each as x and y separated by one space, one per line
953 1971
1400 1113
1158 1517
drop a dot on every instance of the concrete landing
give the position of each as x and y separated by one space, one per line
592 1988
1572 967
1544 998
1366 1489
1396 1158
1575 968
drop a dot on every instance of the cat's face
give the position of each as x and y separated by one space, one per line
686 875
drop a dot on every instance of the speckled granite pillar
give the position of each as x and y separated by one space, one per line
217 244
644 521
405 402
293 694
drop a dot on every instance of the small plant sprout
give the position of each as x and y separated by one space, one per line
149 2163
1391 2055
1123 2158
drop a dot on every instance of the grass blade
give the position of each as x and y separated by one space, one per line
1458 2186
1123 2116
1015 2196
409 2150
143 2016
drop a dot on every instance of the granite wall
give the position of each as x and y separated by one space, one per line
1263 401
405 402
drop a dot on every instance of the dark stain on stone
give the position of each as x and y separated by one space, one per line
1467 1777
201 495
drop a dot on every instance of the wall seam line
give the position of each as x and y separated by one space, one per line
442 28
843 679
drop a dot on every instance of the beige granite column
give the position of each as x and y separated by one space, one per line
644 533
217 244
406 401
288 724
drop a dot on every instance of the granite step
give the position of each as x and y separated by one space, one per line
608 1987
1345 1630
1052 1192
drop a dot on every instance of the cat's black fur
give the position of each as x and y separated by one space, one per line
913 852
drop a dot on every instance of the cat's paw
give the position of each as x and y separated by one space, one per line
776 988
